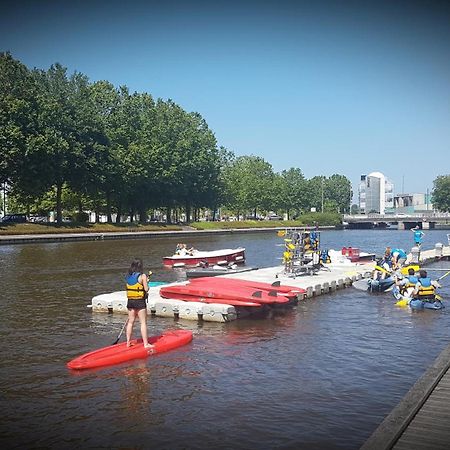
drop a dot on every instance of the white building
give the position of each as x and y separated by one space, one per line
376 194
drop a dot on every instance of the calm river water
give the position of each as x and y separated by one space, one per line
320 376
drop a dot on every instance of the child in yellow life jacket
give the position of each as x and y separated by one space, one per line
137 293
425 288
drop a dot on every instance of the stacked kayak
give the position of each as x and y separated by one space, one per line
115 354
287 291
231 292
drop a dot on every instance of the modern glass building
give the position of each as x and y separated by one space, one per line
376 194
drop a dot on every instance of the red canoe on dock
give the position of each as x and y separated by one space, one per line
240 293
288 291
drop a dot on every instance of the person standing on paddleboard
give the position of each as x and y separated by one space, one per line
137 293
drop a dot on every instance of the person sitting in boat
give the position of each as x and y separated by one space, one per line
178 249
407 284
190 251
384 266
425 288
398 258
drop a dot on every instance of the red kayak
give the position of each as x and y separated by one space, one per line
289 291
241 293
116 354
224 301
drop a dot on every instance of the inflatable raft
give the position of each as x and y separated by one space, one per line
415 303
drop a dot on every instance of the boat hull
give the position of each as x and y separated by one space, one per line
380 285
236 255
116 354
201 272
421 304
415 303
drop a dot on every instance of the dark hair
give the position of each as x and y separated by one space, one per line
411 271
423 273
136 266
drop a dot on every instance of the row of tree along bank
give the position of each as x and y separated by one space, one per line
71 146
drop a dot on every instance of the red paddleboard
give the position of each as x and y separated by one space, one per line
224 301
116 354
241 293
289 291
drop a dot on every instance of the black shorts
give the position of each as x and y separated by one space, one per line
137 304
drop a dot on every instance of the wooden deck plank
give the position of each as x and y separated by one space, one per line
421 419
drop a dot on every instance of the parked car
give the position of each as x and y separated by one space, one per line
274 217
14 218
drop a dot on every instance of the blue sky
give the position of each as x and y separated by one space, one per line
346 87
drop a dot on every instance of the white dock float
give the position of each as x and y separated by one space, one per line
165 307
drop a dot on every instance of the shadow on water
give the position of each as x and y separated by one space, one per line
321 375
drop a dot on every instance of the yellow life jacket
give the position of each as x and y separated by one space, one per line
135 290
426 289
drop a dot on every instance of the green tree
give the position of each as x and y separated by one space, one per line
291 191
18 123
338 189
249 181
441 193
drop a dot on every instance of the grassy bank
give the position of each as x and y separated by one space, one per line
47 228
51 228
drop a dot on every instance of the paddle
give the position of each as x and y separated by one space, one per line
362 285
443 276
120 334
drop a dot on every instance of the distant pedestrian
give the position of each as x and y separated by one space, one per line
418 235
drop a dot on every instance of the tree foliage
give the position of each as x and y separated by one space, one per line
441 193
69 144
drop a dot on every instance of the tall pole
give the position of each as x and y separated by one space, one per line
4 199
322 194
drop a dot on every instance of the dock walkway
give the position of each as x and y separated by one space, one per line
421 421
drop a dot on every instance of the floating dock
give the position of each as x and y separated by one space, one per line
331 277
328 279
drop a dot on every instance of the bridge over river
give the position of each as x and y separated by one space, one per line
425 220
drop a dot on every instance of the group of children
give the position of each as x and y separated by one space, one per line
411 285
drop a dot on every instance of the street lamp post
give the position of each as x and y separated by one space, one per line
322 195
